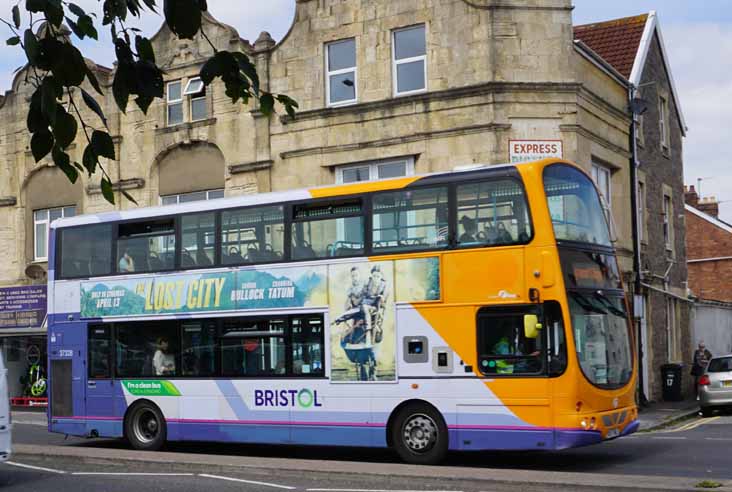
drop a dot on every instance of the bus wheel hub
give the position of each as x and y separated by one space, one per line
420 433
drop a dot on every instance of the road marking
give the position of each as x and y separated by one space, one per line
718 438
30 422
31 467
251 482
135 474
669 437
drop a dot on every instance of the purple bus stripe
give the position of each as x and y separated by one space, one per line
334 424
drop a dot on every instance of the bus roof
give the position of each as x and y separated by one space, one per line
300 194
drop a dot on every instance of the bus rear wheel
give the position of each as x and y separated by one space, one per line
419 435
145 427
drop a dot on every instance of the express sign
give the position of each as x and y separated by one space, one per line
534 150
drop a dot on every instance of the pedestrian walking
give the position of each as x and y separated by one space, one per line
702 356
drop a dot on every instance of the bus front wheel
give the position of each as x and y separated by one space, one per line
419 434
145 427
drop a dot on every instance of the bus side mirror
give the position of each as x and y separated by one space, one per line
531 326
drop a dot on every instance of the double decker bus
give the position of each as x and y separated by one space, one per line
471 310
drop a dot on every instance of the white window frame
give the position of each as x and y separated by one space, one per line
170 102
178 195
329 74
395 63
374 168
190 93
668 212
663 121
598 169
47 223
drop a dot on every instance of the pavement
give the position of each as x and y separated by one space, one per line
674 457
661 414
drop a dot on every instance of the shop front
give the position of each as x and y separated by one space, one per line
23 340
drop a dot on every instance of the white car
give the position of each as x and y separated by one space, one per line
5 423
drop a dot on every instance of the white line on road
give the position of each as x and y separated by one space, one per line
251 482
135 474
718 438
669 438
30 422
31 467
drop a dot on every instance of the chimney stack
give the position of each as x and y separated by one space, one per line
690 196
709 205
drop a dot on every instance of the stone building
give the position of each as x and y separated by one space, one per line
385 88
635 47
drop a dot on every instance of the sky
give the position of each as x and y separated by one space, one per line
698 41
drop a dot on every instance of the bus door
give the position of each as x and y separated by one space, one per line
101 395
66 373
512 352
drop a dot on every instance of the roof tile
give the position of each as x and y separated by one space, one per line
617 41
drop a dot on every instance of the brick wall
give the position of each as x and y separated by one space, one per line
710 280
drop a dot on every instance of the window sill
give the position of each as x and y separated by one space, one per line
186 125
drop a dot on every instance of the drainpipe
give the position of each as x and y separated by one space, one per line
638 277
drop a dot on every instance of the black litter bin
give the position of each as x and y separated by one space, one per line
671 378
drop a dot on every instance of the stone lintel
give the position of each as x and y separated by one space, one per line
250 166
185 126
416 137
483 89
8 201
125 184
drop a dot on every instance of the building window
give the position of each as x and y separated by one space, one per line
340 67
194 97
41 222
667 218
410 60
174 100
641 207
663 121
370 171
196 196
602 177
196 92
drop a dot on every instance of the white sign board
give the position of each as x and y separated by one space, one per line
534 150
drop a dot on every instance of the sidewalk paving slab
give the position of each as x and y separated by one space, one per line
662 414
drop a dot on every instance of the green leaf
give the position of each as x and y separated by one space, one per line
249 70
93 80
266 103
70 67
76 10
35 5
120 89
90 159
16 16
102 144
144 49
65 128
129 197
15 40
54 12
62 161
289 104
92 104
36 121
143 102
41 144
49 95
150 4
86 24
107 190
183 17
211 69
32 49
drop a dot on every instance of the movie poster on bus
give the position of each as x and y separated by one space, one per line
363 331
417 279
281 287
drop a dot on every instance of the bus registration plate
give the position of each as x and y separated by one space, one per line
612 433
